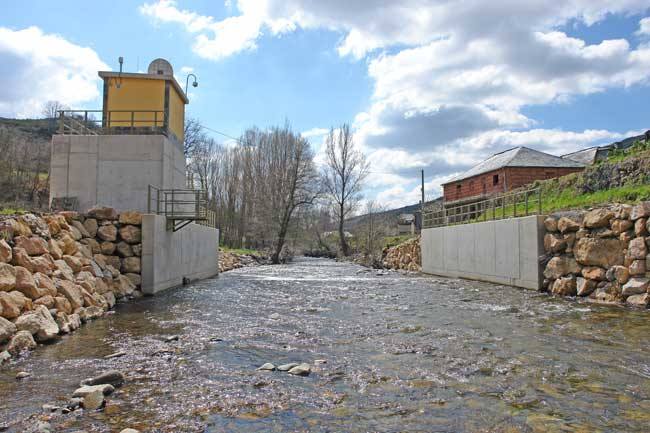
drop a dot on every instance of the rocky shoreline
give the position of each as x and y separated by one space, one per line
58 271
229 260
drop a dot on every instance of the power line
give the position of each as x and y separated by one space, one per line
223 133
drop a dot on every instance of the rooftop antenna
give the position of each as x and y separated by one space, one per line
118 84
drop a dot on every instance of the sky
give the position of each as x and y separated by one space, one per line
433 85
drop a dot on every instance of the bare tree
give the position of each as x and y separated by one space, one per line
194 136
51 109
344 173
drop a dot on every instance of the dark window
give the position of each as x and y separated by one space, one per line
458 187
495 179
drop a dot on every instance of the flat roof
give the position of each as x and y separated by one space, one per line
111 74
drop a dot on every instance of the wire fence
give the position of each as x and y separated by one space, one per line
511 205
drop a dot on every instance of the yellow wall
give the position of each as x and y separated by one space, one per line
136 94
176 113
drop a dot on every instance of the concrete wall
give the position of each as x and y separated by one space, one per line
114 170
168 257
504 252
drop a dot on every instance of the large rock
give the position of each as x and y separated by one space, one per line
637 267
71 291
111 377
7 277
9 306
46 300
34 246
39 323
21 258
597 218
594 273
63 271
102 213
54 249
124 249
640 227
110 299
25 283
560 266
637 249
43 264
301 370
554 243
5 252
94 246
62 304
619 274
20 342
642 210
93 401
67 244
131 217
131 234
641 300
19 228
75 233
598 252
635 286
107 232
550 224
74 263
131 265
81 228
564 286
105 389
585 287
36 224
91 226
135 278
619 226
7 329
569 223
122 286
107 248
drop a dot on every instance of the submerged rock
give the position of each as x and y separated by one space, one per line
22 375
87 389
112 377
93 401
287 367
23 340
301 370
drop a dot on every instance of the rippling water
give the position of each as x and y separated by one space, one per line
403 353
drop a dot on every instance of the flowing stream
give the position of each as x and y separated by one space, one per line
402 354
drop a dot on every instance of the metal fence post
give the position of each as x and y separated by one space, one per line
149 199
539 201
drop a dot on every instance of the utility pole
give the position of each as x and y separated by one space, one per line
422 201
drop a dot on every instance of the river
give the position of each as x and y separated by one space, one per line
402 354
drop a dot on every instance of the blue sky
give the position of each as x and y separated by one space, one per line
426 84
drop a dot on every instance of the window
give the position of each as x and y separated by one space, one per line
495 179
458 187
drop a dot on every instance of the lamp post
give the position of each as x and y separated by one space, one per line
187 82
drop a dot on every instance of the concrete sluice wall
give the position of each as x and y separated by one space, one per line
502 252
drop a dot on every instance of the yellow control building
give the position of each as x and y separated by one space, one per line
144 103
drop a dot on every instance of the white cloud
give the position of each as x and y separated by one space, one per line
36 67
644 27
314 132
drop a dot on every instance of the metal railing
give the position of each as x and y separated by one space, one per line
181 206
113 122
511 205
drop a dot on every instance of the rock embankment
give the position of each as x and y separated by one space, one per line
601 254
229 260
405 256
60 270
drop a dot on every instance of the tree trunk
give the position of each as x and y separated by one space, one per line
345 249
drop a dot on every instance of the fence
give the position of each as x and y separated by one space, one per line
114 122
181 206
510 205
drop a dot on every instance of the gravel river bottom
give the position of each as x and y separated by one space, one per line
389 353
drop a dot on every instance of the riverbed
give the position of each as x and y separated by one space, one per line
389 353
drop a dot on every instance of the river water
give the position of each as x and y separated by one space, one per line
403 354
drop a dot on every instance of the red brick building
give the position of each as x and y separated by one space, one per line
506 171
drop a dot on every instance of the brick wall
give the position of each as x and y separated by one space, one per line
498 181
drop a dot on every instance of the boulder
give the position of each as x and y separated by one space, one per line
301 370
7 277
130 430
20 342
54 249
107 232
620 226
81 228
637 267
131 265
34 246
565 286
69 215
620 274
62 304
7 329
110 299
94 246
287 367
641 300
9 306
71 291
87 389
131 234
594 273
561 266
73 262
642 210
137 250
124 249
67 244
47 301
102 213
75 233
21 258
554 243
107 248
131 218
585 287
91 226
550 224
19 228
43 264
63 271
122 286
111 377
45 283
39 323
569 224
635 286
115 262
640 227
604 253
637 249
21 300
267 366
36 224
93 401
136 279
6 230
5 252
85 251
25 283
597 218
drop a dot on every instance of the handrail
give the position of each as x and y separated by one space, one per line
181 206
112 122
509 205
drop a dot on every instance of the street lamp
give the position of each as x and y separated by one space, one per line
187 82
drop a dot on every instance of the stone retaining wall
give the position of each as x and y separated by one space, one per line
601 254
404 256
60 270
